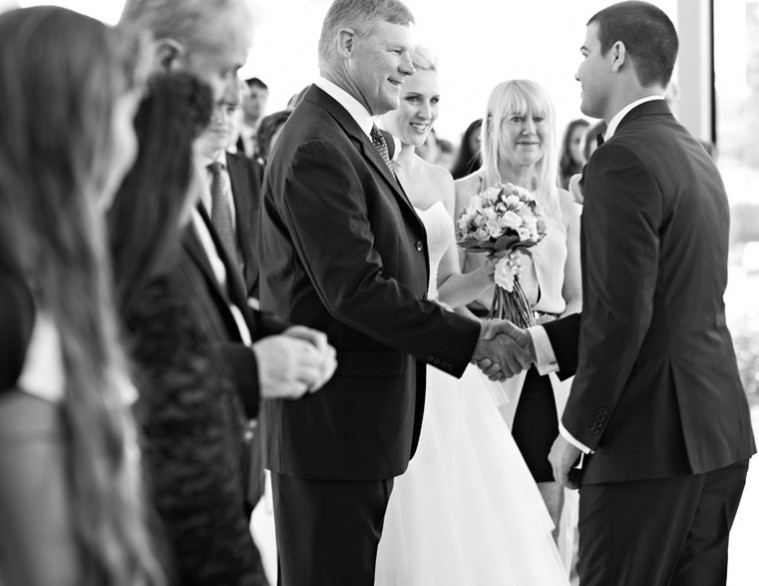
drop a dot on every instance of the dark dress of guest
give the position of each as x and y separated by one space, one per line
191 416
468 159
572 158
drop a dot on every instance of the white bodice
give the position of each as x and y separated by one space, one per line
440 236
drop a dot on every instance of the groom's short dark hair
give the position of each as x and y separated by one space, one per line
648 34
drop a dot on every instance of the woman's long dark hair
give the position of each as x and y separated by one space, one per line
567 165
61 74
468 160
144 220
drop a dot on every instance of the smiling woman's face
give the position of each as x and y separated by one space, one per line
523 135
418 110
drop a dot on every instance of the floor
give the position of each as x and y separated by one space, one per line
743 564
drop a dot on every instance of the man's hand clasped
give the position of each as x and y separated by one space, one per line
503 350
296 362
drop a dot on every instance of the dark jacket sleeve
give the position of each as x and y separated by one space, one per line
564 335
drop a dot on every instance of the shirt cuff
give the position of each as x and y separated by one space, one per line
545 359
571 439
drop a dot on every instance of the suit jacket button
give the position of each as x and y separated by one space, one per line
419 245
436 362
430 358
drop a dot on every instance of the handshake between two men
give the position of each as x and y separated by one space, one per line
503 350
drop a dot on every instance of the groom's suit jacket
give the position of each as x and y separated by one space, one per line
343 251
657 391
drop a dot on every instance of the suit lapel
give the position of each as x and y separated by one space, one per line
367 149
235 286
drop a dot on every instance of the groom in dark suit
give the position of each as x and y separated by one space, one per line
657 404
342 250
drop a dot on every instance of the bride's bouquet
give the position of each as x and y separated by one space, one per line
498 221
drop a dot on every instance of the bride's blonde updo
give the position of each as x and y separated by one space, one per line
424 59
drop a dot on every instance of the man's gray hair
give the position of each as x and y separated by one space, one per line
185 21
359 15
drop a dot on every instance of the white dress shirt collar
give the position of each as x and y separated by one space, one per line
617 118
360 114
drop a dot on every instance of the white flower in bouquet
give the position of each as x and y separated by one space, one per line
504 274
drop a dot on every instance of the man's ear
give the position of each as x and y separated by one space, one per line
618 56
346 42
168 54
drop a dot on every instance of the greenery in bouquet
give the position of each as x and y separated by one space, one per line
498 221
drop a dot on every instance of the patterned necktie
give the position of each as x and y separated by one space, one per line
379 142
221 214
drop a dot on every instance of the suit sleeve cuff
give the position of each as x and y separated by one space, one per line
571 439
545 359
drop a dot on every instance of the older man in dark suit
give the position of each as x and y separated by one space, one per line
342 250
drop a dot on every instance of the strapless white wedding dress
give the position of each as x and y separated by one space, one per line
467 511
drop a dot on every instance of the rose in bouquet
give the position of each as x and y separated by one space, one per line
498 221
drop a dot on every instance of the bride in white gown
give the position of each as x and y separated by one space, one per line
467 511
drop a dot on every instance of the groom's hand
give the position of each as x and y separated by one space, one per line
503 350
563 457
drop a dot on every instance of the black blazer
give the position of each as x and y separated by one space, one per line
657 391
245 177
217 301
343 251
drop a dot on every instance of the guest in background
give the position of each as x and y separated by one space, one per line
70 489
519 147
255 97
192 418
237 179
268 133
468 159
445 157
572 158
269 358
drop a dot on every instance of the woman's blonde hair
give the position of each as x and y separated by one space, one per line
525 97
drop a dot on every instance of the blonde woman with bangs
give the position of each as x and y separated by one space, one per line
519 146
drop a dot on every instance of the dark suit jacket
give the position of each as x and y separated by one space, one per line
245 177
217 302
343 251
657 391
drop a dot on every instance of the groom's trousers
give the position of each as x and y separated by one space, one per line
328 531
664 532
